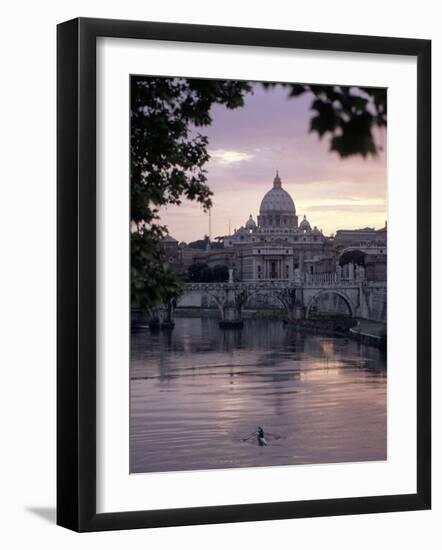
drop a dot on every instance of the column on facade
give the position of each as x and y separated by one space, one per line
351 271
338 273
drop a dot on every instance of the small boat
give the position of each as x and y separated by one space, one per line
260 436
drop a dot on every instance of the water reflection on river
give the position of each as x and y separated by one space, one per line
197 390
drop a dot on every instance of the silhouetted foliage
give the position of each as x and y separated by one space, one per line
354 256
202 273
347 115
220 273
167 164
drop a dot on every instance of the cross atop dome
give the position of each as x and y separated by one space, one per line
277 184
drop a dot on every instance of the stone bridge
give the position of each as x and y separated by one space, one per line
362 299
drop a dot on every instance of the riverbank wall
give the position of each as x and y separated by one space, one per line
373 333
370 332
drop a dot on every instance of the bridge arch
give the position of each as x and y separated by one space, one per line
243 297
221 295
351 308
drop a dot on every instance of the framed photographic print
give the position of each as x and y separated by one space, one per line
243 274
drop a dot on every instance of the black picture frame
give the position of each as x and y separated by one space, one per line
77 287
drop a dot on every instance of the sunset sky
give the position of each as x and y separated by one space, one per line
248 144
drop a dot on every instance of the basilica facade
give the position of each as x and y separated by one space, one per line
276 246
279 247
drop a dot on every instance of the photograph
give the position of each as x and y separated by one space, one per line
258 274
231 288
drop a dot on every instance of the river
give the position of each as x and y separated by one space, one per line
198 392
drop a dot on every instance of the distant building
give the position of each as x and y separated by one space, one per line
366 237
376 267
170 246
276 247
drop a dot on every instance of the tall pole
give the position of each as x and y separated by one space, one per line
210 224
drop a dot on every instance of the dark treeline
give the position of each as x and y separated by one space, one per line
202 273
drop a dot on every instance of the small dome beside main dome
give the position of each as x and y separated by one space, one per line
305 225
250 223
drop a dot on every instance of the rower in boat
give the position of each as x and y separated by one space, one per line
260 436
